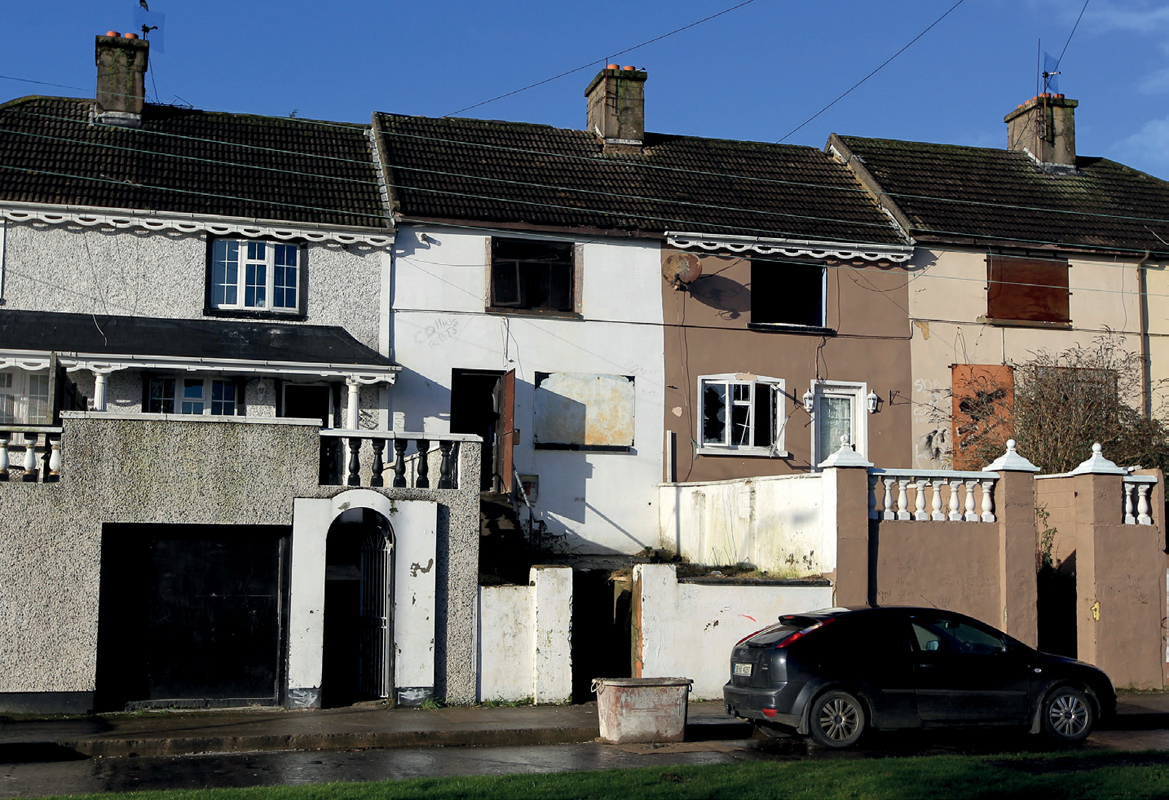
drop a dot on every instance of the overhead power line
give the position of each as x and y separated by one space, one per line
605 61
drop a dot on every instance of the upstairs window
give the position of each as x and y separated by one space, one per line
742 415
1027 290
532 275
788 295
255 276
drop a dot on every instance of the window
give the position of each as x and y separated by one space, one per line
838 410
196 396
741 414
787 294
24 398
583 411
533 275
255 276
1027 290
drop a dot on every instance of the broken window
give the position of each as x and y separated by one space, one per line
787 294
531 274
1027 289
741 414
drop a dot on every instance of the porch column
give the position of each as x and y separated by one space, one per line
99 391
353 405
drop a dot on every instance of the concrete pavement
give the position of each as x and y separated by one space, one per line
360 727
1142 715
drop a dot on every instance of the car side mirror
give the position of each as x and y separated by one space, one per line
932 645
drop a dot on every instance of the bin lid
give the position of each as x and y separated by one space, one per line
643 681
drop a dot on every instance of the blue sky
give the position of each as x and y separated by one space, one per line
754 73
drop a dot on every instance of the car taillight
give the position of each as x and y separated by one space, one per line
801 634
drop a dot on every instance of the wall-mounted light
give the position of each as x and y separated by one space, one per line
809 401
873 402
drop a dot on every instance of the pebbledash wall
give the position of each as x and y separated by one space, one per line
71 268
168 470
599 496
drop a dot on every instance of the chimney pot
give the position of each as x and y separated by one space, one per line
612 66
131 36
114 34
629 69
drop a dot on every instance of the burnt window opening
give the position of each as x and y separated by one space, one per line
741 415
1027 290
531 274
787 294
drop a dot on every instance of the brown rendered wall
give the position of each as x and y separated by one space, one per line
706 333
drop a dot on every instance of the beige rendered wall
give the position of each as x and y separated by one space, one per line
1157 341
706 334
947 298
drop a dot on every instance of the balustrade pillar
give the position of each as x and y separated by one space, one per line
378 446
919 500
889 512
4 463
400 463
445 480
30 460
354 477
422 481
903 499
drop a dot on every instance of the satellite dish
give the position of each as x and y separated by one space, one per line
681 268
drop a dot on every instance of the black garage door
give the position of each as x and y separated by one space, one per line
191 615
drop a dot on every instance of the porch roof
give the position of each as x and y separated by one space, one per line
105 343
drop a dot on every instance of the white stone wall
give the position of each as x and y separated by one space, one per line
525 639
600 502
775 524
687 630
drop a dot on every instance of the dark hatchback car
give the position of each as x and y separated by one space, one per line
836 673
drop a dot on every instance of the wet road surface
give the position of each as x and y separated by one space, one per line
70 775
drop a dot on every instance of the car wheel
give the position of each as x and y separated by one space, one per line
1067 715
838 720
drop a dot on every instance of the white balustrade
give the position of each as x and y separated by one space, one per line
934 491
30 455
1136 498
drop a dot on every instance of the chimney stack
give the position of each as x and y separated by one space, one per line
1044 126
617 108
121 79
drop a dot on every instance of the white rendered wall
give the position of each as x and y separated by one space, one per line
947 298
687 630
414 525
525 639
605 502
776 524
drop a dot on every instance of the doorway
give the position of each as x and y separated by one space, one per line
482 403
357 659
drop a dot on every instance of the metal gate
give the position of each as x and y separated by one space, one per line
375 674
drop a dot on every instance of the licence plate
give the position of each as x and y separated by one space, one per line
742 669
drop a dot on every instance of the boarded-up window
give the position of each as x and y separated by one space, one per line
983 397
1027 289
583 411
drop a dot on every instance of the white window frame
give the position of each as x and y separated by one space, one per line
776 386
16 392
247 258
859 435
185 404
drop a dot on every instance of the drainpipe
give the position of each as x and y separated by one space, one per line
1146 378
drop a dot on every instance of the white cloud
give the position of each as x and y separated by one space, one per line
1147 149
1141 17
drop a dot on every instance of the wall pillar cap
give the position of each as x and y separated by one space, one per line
1010 461
845 457
1098 465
